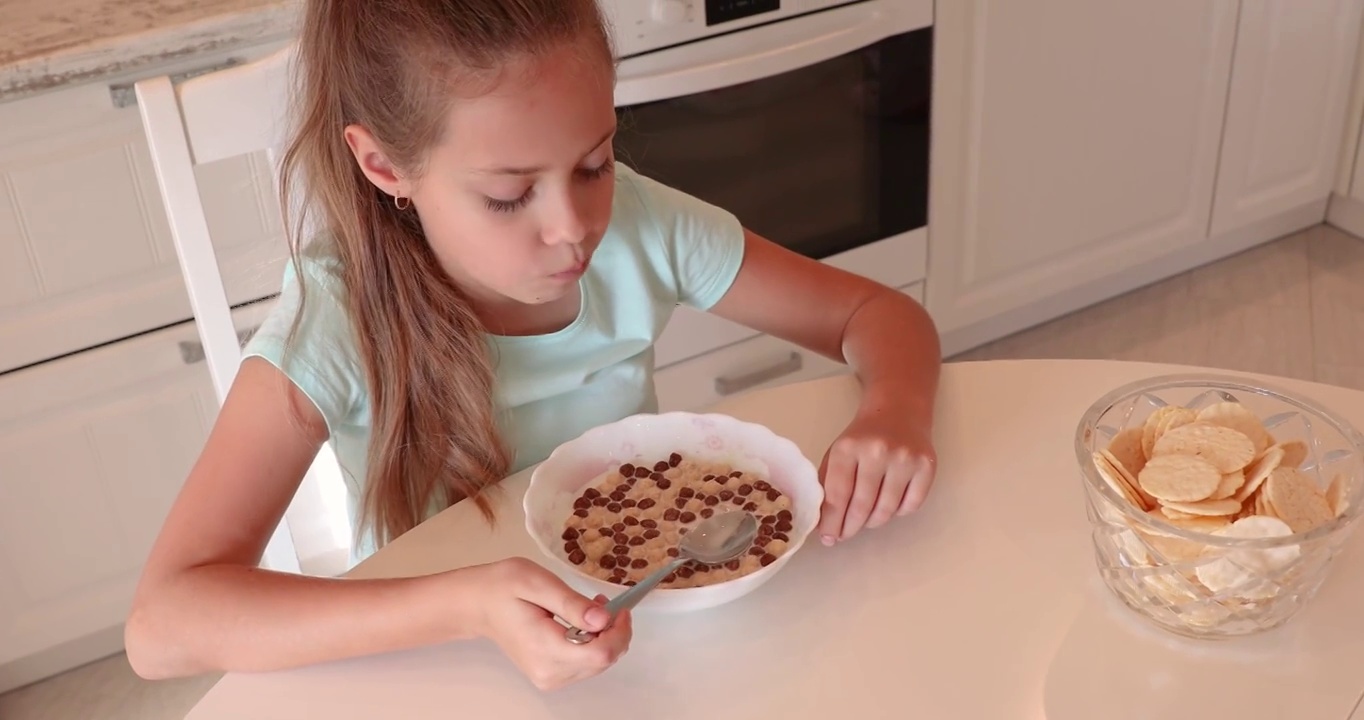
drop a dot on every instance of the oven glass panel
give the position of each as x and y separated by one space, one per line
822 159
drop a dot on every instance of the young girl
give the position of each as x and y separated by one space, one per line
487 283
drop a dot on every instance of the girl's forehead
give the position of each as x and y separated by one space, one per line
548 110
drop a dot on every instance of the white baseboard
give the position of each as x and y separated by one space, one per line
1346 213
1198 253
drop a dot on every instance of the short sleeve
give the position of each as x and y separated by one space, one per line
704 243
321 358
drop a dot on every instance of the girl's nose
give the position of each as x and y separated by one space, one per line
567 227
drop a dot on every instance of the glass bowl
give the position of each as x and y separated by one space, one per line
1192 576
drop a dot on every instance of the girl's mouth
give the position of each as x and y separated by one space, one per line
572 273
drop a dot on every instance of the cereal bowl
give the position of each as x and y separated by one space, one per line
606 507
1217 505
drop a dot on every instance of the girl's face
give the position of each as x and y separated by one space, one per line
516 197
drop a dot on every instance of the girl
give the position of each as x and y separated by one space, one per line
487 283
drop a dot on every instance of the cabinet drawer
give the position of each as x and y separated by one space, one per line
753 364
93 449
59 386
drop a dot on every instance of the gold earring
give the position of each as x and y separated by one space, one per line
401 202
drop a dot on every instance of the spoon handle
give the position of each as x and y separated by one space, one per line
631 597
628 599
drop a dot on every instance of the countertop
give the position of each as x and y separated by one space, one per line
987 603
49 44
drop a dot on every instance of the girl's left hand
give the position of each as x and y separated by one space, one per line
880 467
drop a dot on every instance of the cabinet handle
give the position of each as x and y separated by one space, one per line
728 385
192 351
124 96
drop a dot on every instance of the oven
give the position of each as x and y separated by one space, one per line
808 119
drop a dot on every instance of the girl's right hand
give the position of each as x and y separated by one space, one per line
518 602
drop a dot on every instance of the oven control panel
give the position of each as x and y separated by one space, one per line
723 11
643 25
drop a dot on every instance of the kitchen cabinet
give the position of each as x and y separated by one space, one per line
86 255
753 364
1346 209
93 449
1290 87
1348 214
1084 149
1073 139
103 403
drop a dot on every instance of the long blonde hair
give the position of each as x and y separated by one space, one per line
390 67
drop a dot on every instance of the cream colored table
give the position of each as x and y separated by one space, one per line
984 606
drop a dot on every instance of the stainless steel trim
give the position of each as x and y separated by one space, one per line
192 351
727 385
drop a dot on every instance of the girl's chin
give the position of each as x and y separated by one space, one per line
545 293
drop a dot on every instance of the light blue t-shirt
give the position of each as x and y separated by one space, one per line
662 247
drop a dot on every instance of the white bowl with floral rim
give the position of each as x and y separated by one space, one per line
748 447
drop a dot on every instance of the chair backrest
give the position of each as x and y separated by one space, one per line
219 115
239 110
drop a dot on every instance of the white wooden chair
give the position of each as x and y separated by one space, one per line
224 114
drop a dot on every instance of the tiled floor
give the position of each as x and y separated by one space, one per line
104 690
1294 307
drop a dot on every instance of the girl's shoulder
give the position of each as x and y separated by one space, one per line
318 263
691 247
308 335
646 200
666 215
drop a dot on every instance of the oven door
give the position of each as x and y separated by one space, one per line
812 130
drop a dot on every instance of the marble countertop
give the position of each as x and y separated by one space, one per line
48 44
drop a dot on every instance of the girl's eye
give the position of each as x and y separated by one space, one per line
597 172
507 206
511 206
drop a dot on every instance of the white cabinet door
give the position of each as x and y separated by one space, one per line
1073 140
1356 182
1347 210
93 449
1290 88
86 255
752 364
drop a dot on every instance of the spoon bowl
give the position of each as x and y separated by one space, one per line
714 541
720 538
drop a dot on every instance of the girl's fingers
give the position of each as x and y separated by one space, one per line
892 496
919 486
840 471
871 469
616 639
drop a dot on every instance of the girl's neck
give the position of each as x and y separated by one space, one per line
501 315
512 318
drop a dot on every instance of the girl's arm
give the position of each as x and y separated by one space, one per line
203 604
885 336
883 464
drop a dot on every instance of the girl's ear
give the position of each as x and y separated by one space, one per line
373 163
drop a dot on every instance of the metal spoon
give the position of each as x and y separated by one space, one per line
713 541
